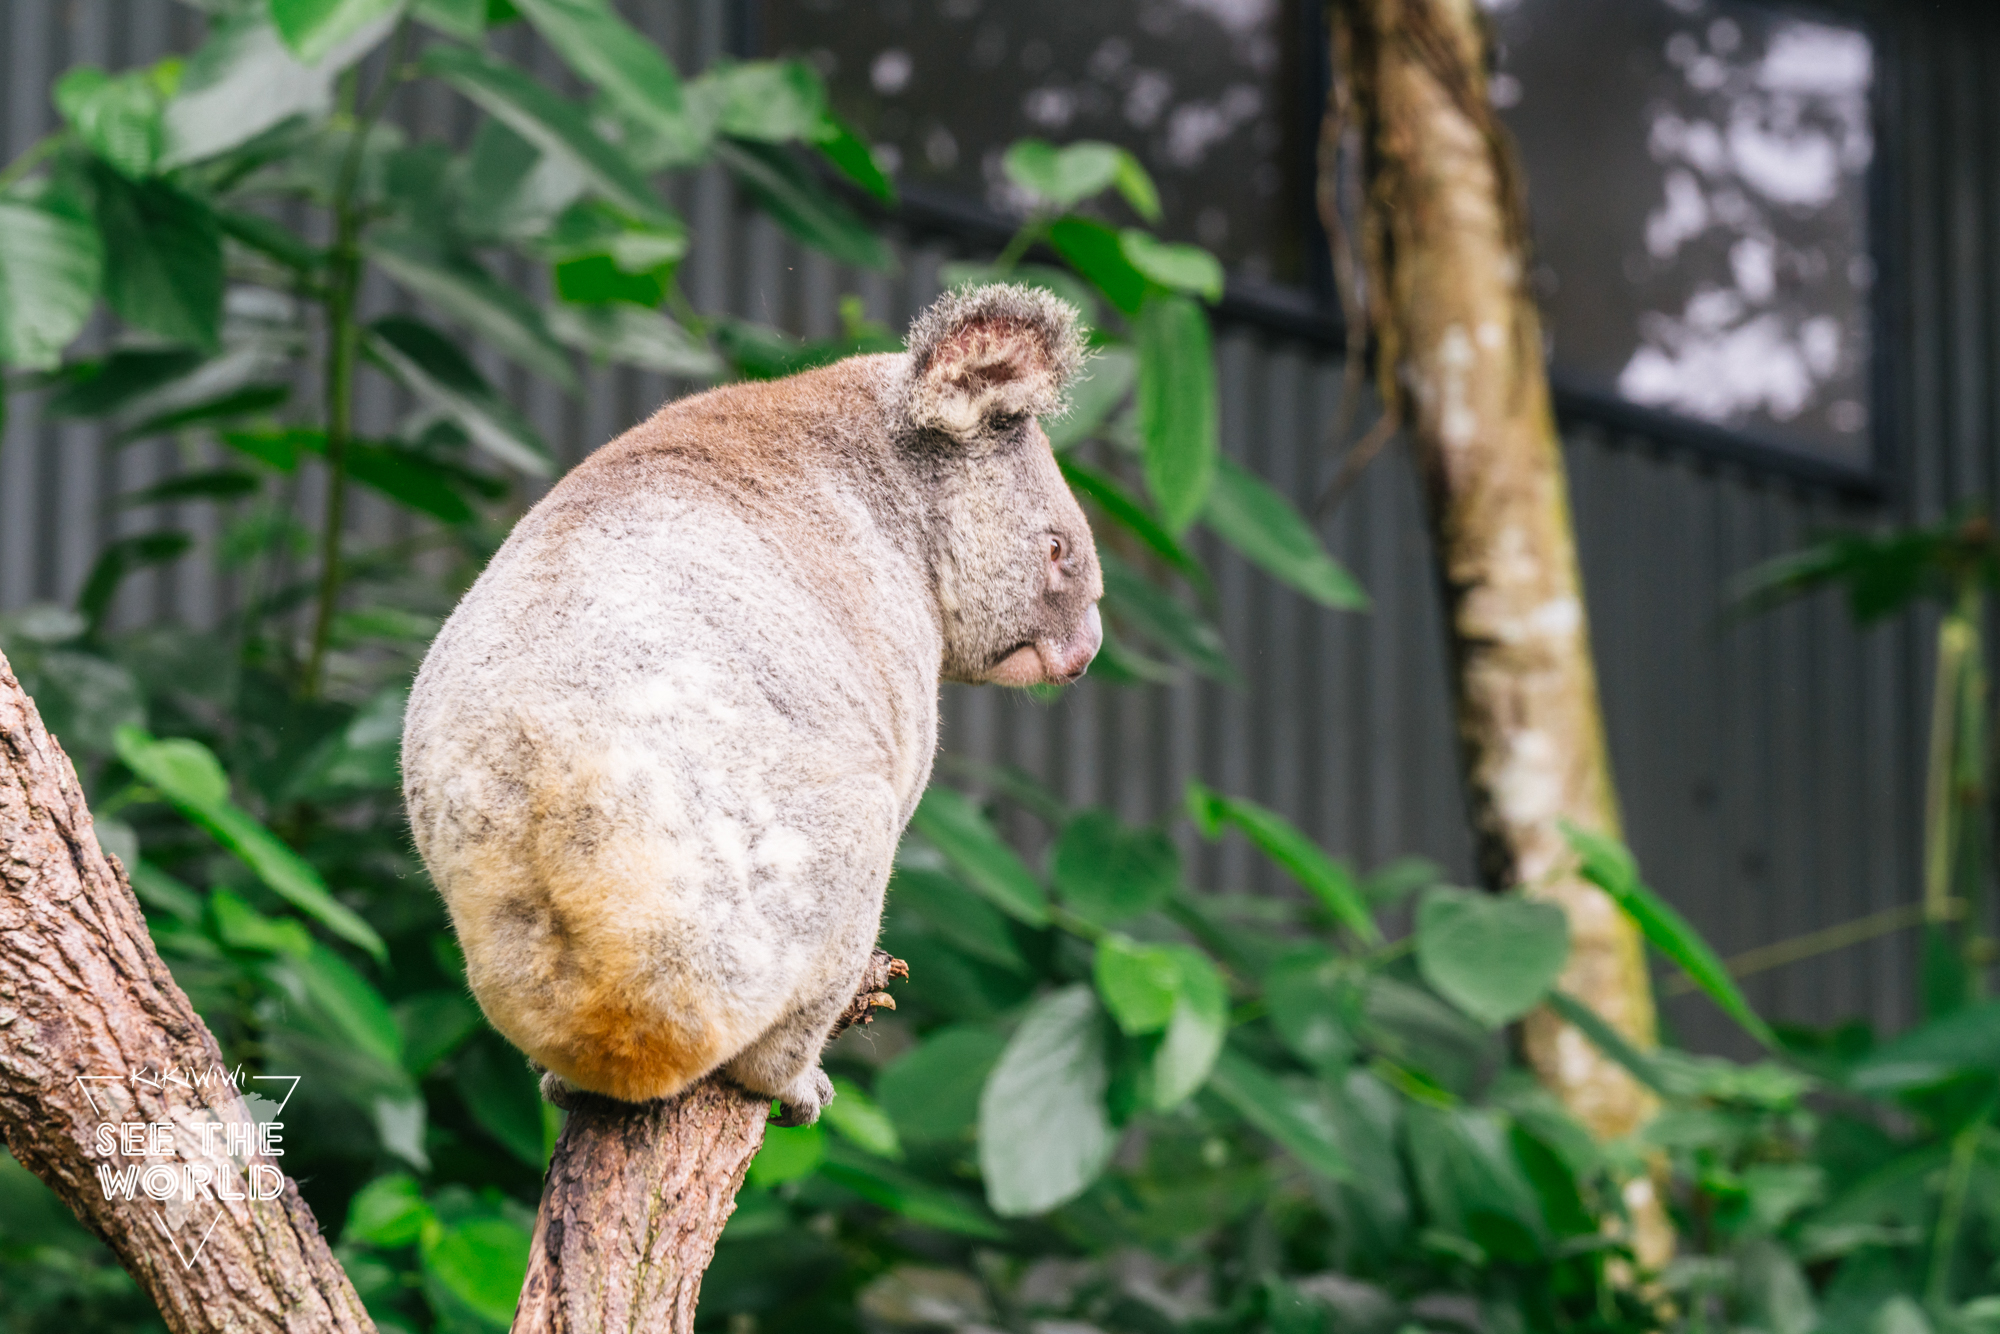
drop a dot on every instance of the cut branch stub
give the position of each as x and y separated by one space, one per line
95 1033
637 1194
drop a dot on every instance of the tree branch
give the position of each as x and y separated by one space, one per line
97 1033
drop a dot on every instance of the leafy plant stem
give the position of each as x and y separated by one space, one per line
30 157
1031 232
1951 1209
343 341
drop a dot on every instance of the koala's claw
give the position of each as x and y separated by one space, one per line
803 1107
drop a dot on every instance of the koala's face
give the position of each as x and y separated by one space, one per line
1016 571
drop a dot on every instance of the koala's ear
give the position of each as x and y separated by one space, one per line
990 355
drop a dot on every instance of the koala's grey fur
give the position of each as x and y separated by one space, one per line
659 758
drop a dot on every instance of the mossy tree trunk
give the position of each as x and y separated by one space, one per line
1459 359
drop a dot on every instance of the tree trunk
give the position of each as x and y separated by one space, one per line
1459 360
93 1031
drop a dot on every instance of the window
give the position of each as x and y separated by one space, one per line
1699 176
1213 95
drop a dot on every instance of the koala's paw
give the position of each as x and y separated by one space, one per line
559 1091
800 1104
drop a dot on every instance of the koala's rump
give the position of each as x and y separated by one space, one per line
660 824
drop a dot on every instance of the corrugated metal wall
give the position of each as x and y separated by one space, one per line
1770 772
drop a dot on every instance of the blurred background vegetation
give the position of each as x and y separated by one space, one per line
1111 1098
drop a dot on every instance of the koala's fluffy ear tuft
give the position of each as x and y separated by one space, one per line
989 355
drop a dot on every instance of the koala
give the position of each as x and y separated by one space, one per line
658 759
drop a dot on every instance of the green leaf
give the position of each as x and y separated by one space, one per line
1107 378
434 1024
1962 1041
1252 517
1608 1040
949 821
1608 865
458 286
1118 504
156 889
121 557
276 449
932 1091
187 775
620 61
960 917
1163 618
1180 268
1095 251
1177 411
429 366
118 118
463 19
771 101
1313 1004
162 257
915 1200
106 386
1294 1119
1470 1182
839 144
855 1115
788 1153
51 265
1137 983
1195 1032
1043 1132
1137 186
1492 956
510 188
271 238
247 401
388 1212
802 206
243 81
1279 839
482 1262
314 29
504 1098
242 927
347 1008
552 125
1106 873
621 332
1066 176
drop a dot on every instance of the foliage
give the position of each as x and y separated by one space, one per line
1109 1096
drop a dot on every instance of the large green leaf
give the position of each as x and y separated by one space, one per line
1180 268
459 286
1095 251
1163 618
788 192
772 101
949 821
429 366
620 61
1177 406
1494 957
482 1262
1288 1114
162 257
1963 1041
1105 492
1313 1003
1195 1030
839 144
243 81
932 1091
1283 842
314 29
388 1211
902 1193
188 777
51 265
958 916
343 1005
1043 1132
504 1098
622 332
1251 516
1470 1181
1066 176
861 1121
512 189
1137 983
118 117
550 123
1608 865
1106 873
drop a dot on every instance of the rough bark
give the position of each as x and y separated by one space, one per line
638 1193
1459 358
90 1019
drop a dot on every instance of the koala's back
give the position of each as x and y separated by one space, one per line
659 758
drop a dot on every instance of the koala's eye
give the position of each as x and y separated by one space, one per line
1056 550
